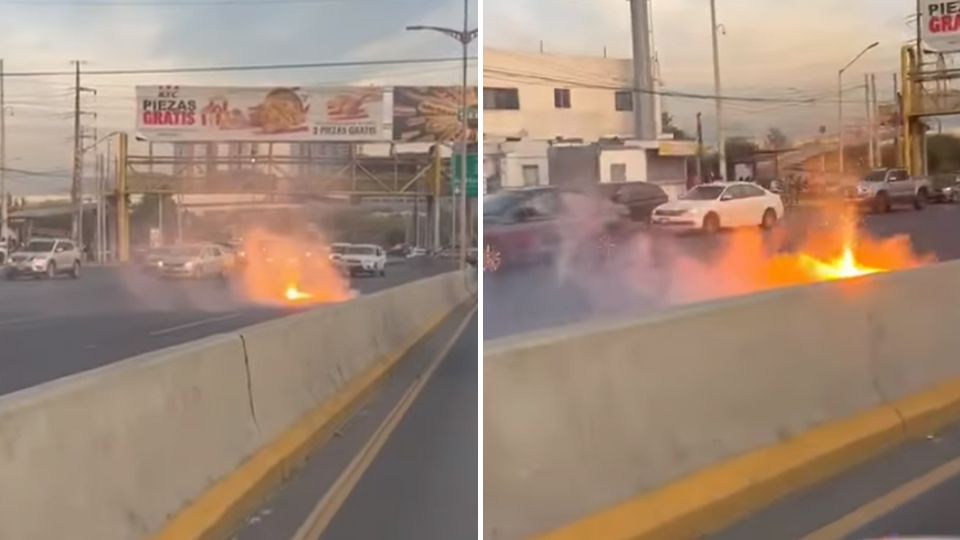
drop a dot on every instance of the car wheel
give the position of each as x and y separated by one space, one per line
920 200
881 203
769 219
383 272
75 271
492 258
10 275
711 223
51 270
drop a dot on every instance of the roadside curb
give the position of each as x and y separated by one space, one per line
709 500
216 512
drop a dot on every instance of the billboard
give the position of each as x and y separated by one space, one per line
940 22
432 114
282 114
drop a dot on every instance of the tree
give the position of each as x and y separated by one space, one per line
777 139
666 119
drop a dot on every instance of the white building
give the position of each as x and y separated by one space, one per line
536 103
550 96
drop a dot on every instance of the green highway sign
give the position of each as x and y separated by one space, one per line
472 172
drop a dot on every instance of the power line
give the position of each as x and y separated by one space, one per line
666 93
166 3
252 67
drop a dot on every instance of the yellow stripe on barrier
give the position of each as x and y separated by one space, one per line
217 512
716 497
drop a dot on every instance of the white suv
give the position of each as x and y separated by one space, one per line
365 259
45 257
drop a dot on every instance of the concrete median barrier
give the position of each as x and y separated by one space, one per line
581 421
112 453
295 367
181 442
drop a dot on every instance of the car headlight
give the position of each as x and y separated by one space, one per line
188 265
160 264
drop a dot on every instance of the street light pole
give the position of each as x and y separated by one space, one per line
840 97
721 151
465 37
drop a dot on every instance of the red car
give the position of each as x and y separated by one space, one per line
529 225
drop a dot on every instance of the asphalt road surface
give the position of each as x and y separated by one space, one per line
911 491
422 484
652 272
53 328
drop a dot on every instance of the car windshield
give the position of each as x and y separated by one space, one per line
361 250
185 251
39 246
875 176
703 193
500 203
339 249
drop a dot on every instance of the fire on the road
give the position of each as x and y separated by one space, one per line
749 261
283 270
294 294
843 267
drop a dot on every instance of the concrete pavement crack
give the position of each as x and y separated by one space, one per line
246 366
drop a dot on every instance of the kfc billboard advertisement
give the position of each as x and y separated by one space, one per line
288 114
940 22
432 114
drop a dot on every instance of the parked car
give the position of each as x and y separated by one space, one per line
640 198
529 225
945 188
365 259
710 207
196 261
880 189
45 257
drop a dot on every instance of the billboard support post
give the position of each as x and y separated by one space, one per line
123 216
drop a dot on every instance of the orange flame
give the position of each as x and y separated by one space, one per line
843 267
826 246
293 294
282 270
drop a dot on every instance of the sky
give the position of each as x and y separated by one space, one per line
781 48
37 35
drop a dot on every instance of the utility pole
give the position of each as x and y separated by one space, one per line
4 209
75 195
76 187
869 119
699 149
840 97
717 89
897 127
644 97
875 113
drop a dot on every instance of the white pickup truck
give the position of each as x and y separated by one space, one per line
880 189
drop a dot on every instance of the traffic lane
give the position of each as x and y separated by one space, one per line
638 280
423 484
880 483
61 328
283 514
122 289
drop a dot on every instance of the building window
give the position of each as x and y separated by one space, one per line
561 98
623 100
531 175
618 172
501 99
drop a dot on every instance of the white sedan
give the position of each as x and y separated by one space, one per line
712 206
